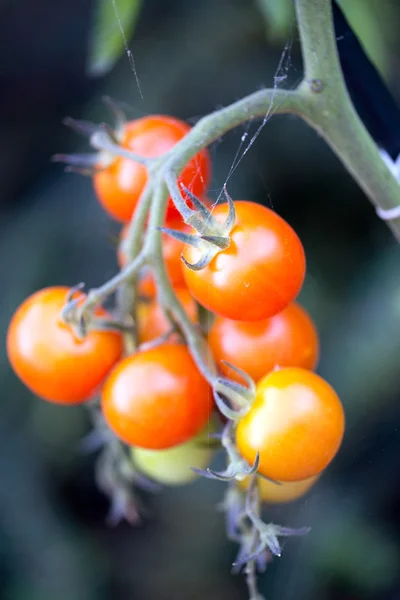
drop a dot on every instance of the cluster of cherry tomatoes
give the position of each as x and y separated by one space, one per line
156 400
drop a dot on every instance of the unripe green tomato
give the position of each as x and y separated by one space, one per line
174 465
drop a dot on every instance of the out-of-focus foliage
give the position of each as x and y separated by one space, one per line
191 57
112 21
279 18
375 23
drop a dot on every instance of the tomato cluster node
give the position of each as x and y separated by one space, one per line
103 138
212 237
237 468
232 398
258 541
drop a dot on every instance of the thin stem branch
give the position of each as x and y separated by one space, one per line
321 100
331 111
126 292
213 126
97 295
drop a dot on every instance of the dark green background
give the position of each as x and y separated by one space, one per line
192 57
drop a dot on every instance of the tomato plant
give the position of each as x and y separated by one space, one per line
174 465
49 358
152 321
157 398
119 182
172 250
273 493
288 339
260 272
296 423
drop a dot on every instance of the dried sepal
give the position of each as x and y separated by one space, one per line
119 491
204 213
234 399
95 440
248 544
212 237
217 240
181 236
237 467
85 128
233 507
268 533
102 138
251 386
203 261
225 409
230 220
116 111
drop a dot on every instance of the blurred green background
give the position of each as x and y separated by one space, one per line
191 58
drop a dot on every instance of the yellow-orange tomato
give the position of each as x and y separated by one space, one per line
289 491
258 275
296 423
157 398
288 339
49 359
172 250
152 322
120 184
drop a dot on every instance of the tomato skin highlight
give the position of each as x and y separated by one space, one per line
258 275
288 339
120 185
296 423
47 356
289 491
152 322
157 398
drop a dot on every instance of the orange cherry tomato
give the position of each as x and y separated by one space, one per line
272 493
288 339
258 275
157 398
152 322
172 251
296 423
47 356
120 185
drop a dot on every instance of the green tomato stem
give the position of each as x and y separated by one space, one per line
321 100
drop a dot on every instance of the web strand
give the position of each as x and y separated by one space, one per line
280 76
127 50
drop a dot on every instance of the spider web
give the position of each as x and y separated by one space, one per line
128 51
247 139
281 75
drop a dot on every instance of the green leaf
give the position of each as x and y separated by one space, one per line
373 23
113 25
278 16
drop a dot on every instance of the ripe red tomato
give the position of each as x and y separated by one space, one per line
296 423
152 322
47 356
260 273
157 398
172 251
288 339
271 493
119 185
